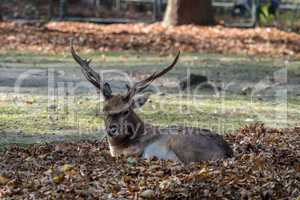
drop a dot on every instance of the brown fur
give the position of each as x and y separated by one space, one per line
180 144
129 135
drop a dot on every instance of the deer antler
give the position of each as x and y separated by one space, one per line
90 74
141 85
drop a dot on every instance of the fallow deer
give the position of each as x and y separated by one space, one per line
129 135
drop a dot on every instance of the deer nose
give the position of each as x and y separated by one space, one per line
112 130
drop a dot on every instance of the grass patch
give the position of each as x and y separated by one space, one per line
84 114
38 115
216 66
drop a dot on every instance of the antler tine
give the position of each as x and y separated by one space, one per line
141 85
88 72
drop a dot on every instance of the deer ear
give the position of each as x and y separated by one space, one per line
140 100
107 93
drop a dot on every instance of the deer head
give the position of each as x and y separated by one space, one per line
121 122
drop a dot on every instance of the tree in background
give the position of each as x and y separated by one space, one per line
181 12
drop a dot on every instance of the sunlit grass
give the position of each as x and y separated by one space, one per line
84 115
134 60
30 114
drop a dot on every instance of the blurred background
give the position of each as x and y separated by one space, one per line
283 14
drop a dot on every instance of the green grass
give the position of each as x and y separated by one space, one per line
225 67
85 114
36 115
227 64
85 118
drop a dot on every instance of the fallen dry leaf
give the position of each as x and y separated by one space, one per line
260 169
55 37
4 180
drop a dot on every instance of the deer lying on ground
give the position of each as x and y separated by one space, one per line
130 136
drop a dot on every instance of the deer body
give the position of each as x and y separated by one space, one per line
178 144
130 136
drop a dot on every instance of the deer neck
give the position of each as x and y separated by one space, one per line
130 145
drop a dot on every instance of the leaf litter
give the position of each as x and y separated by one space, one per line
266 165
55 37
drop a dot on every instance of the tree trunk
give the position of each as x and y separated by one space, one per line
181 12
98 8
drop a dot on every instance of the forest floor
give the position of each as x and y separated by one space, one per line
51 124
55 37
265 166
52 137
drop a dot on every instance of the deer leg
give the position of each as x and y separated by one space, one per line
161 151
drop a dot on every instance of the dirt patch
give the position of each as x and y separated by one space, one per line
55 37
